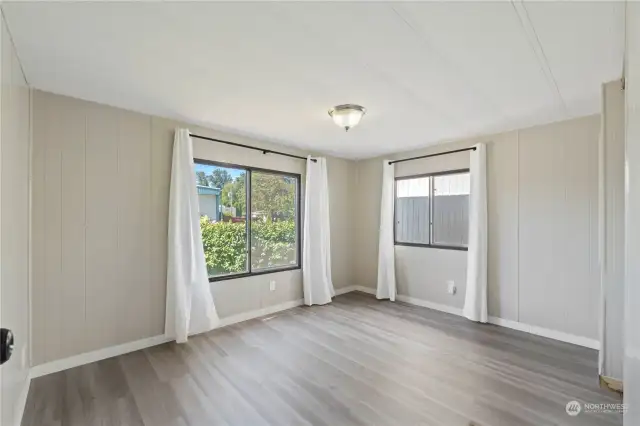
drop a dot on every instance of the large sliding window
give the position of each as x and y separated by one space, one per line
250 219
433 210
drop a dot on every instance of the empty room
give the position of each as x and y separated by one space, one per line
320 213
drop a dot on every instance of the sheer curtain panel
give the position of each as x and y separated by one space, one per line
316 254
386 250
475 301
190 308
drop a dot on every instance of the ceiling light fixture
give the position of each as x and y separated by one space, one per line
347 116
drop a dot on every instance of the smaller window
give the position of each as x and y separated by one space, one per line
433 210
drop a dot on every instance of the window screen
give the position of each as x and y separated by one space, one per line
413 210
451 210
433 210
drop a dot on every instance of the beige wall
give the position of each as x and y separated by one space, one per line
101 196
101 185
14 225
543 198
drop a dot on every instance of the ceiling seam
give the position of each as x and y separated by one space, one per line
424 39
624 47
543 61
13 45
376 72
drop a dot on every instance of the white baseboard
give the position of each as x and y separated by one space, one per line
21 404
515 325
364 289
545 332
245 316
344 290
100 354
430 305
351 288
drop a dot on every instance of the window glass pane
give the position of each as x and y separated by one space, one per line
222 206
412 210
451 209
273 221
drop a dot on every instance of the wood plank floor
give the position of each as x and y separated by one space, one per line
357 361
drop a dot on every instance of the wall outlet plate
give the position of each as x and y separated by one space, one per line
451 287
272 285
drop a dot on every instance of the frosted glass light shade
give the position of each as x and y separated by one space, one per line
347 116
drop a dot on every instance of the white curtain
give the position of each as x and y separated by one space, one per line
316 254
190 308
386 250
475 301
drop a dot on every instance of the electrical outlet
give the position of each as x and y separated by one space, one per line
272 285
451 287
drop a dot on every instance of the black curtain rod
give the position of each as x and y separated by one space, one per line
264 151
434 155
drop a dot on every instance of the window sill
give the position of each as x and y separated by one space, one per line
252 274
435 246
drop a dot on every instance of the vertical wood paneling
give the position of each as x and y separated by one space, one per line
161 155
103 187
93 212
134 209
502 185
39 232
340 175
542 202
557 283
542 205
70 132
102 225
582 283
55 289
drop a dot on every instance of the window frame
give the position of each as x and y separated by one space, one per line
298 210
431 203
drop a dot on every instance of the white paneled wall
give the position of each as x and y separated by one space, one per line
504 224
100 204
543 207
91 228
558 209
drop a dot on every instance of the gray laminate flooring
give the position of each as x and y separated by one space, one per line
357 361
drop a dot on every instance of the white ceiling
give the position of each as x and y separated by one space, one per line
426 72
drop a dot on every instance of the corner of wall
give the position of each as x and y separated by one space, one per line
18 198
